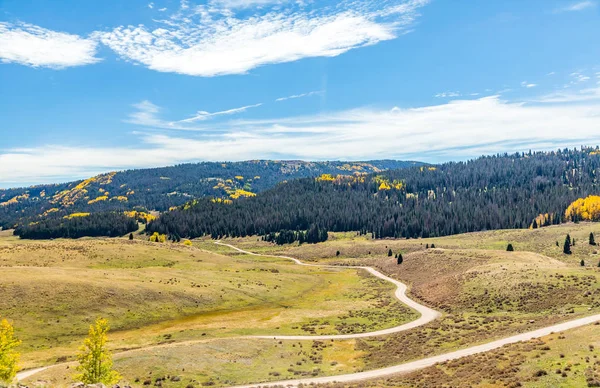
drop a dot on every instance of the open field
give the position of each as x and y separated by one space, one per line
166 293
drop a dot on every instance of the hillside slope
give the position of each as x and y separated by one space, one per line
495 192
162 188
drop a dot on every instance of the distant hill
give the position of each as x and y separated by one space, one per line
159 189
492 192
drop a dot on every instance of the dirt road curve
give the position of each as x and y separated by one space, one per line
426 362
427 314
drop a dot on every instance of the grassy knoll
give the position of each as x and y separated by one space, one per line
156 294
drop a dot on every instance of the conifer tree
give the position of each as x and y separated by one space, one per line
95 361
510 248
9 358
130 236
582 263
401 259
592 239
567 246
390 253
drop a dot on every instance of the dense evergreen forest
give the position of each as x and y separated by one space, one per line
494 192
108 224
163 188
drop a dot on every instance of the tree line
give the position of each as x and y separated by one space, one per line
491 192
108 224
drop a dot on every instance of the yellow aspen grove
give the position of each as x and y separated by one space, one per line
587 209
9 358
95 361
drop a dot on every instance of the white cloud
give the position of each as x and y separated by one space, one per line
455 130
35 46
151 5
588 94
447 95
202 41
203 115
147 114
292 97
578 77
528 85
245 3
162 9
577 6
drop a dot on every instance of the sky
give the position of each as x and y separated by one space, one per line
94 86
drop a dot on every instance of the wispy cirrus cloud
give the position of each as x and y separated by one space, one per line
148 114
203 115
577 6
34 46
207 41
295 96
454 130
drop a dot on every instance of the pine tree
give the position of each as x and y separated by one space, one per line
337 253
592 239
510 248
400 259
567 246
390 253
432 246
427 246
130 236
8 356
582 263
95 362
535 225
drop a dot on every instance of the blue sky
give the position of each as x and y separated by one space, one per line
92 86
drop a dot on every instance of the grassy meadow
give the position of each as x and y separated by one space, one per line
160 296
179 313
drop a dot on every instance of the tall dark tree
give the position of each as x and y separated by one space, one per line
390 253
400 259
510 248
567 246
592 239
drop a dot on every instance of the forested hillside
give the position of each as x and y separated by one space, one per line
162 188
495 192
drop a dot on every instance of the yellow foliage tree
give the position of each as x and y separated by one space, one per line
159 238
9 358
187 243
95 361
586 209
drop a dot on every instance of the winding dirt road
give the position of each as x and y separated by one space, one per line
427 314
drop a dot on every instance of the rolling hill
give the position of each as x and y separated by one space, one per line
159 189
